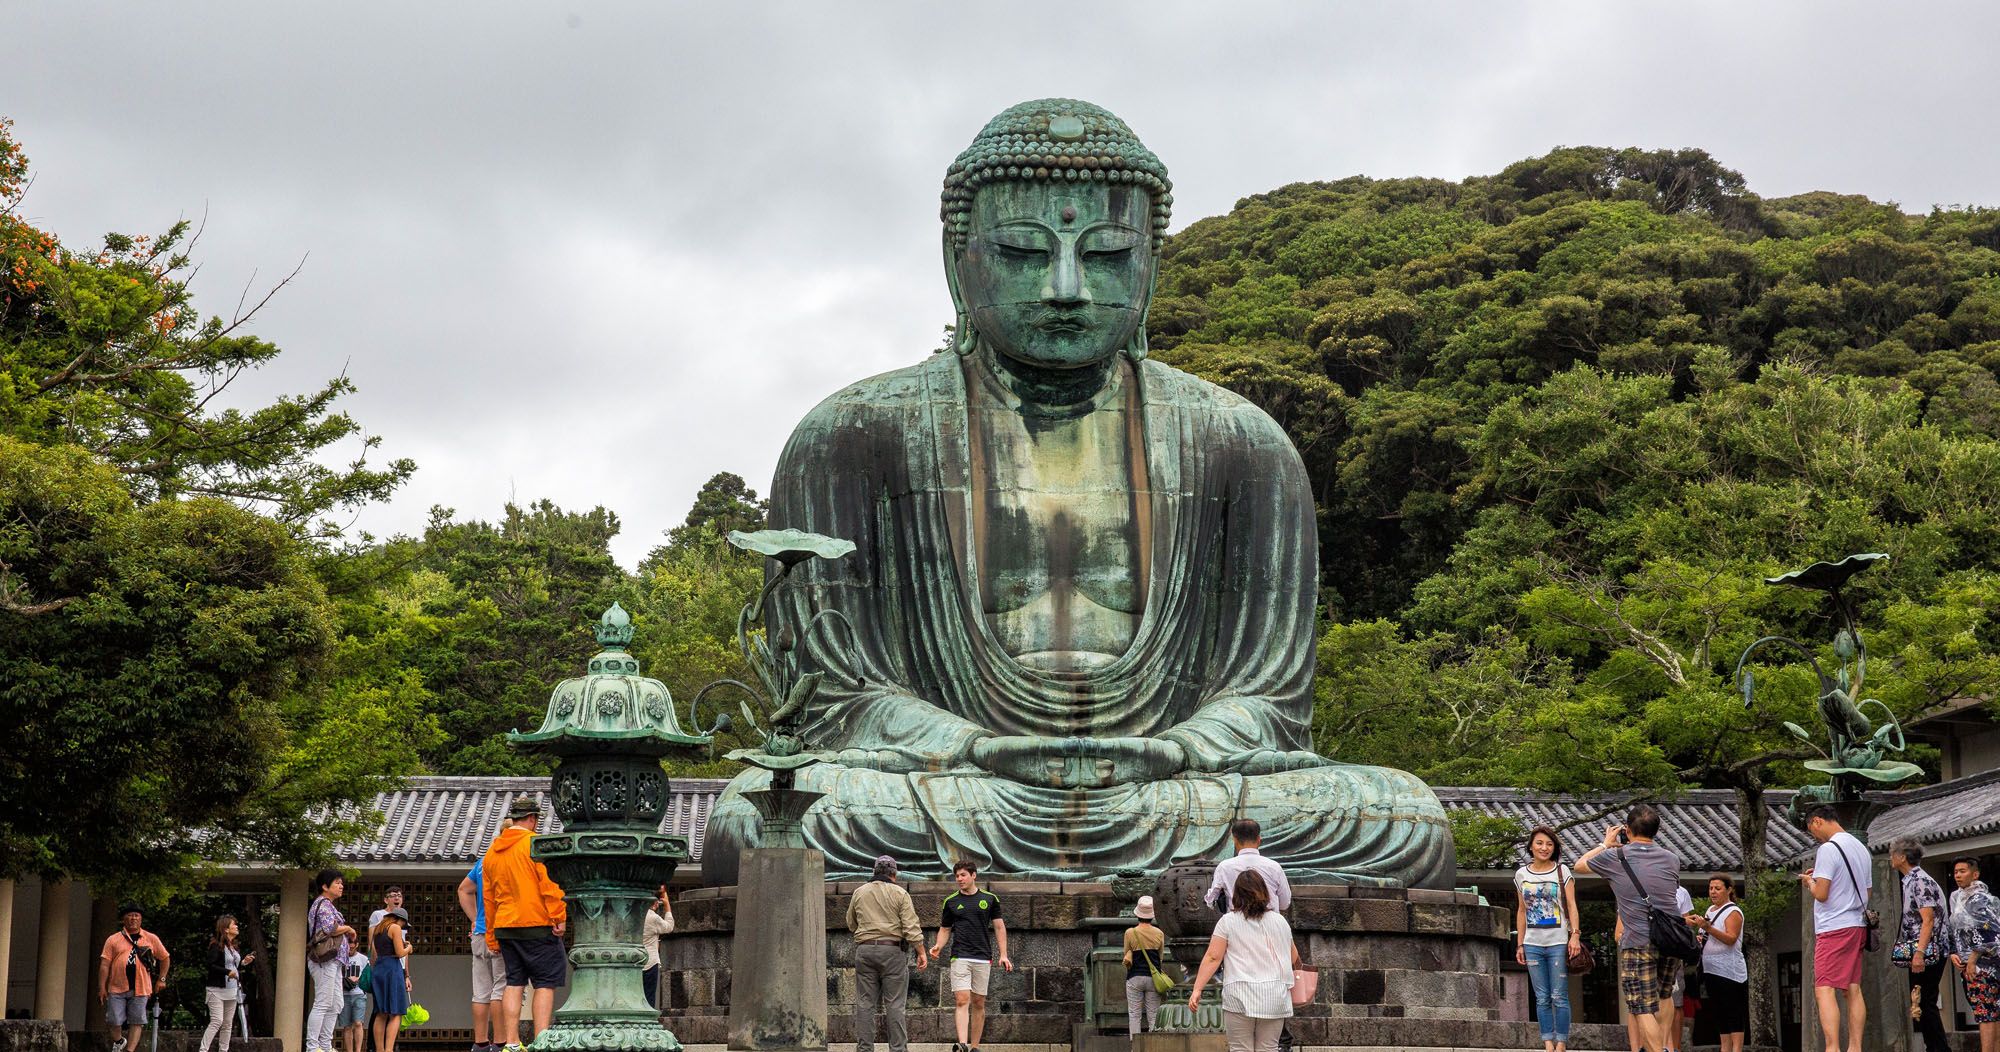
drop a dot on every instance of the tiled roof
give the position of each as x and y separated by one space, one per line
1954 810
452 819
1699 825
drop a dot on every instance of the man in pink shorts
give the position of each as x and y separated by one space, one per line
1839 882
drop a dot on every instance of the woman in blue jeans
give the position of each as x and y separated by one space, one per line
1546 933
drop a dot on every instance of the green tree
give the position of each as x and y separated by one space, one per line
106 350
497 615
724 503
170 664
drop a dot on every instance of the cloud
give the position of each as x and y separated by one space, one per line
600 251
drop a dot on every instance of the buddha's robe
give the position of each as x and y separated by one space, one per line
1221 661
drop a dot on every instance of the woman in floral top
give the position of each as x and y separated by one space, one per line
1920 939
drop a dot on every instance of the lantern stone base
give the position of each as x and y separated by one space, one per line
778 973
1398 969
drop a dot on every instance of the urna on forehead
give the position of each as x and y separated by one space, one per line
1053 141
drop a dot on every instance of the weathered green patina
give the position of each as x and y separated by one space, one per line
1077 632
610 729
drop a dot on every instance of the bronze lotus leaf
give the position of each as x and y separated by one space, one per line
1825 576
791 546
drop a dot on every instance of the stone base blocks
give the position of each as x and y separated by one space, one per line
1411 969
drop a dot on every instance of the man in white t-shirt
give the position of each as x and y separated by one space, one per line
1248 836
1839 882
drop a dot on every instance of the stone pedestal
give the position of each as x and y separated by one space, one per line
1180 1042
778 953
1884 988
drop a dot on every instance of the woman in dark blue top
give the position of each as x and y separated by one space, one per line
391 984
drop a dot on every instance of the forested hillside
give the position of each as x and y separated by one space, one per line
1560 420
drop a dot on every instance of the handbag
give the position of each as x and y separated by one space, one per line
1581 960
1305 984
1871 918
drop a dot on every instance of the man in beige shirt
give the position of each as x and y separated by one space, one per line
884 924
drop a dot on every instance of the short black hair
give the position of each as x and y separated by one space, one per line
965 865
1825 812
325 877
1244 830
1968 860
393 889
1643 820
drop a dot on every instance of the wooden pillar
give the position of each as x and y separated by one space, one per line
104 920
52 951
6 938
289 999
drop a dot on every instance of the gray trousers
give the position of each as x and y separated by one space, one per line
880 972
326 1004
1142 1003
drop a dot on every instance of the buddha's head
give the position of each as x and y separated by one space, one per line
1053 220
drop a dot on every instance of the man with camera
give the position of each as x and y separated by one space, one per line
1641 874
132 966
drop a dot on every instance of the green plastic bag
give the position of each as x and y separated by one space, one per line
417 1015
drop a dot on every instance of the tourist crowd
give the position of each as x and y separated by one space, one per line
1673 962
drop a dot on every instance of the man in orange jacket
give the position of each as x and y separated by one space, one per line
524 922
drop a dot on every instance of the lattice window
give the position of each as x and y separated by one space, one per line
436 922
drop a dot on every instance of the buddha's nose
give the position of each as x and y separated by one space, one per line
1066 287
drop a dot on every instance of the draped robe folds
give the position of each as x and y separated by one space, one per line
1222 662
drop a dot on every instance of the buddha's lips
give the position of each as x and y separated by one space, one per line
1067 323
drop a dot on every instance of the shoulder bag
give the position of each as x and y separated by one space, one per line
1670 934
1871 918
1161 980
325 945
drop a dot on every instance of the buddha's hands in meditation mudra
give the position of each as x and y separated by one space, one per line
1095 763
1079 763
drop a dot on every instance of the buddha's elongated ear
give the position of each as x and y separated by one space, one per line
1135 348
963 339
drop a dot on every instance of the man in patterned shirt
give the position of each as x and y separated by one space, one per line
1919 939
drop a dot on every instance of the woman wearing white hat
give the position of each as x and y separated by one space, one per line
1143 943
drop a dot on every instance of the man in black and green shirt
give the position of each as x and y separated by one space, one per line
968 915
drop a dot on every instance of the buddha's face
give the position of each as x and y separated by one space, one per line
1056 275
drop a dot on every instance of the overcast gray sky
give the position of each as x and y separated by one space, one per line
597 252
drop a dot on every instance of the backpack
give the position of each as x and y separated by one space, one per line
1670 935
